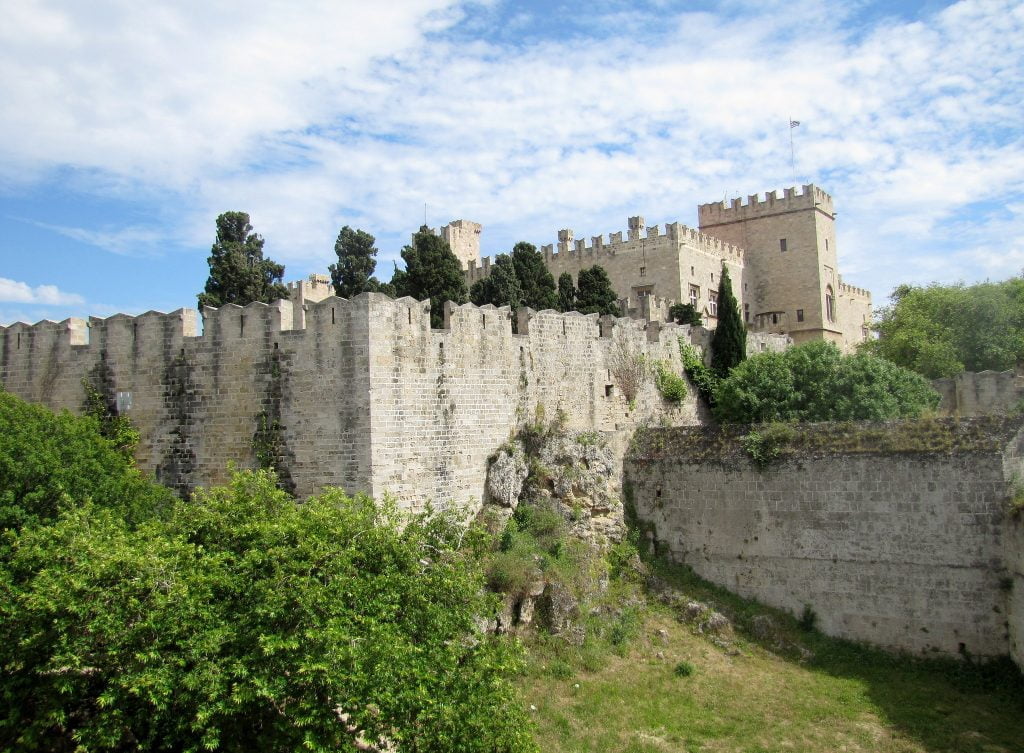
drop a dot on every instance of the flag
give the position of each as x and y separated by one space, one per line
794 123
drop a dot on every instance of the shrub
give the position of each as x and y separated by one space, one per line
765 444
685 313
628 367
814 382
671 386
807 619
53 462
703 378
244 621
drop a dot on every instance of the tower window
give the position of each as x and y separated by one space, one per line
782 244
643 271
712 303
830 304
691 272
799 315
694 295
746 312
826 244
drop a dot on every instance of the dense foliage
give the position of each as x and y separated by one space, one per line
431 271
685 313
941 330
594 294
729 343
51 463
534 277
501 287
357 259
703 378
566 292
238 272
235 621
815 382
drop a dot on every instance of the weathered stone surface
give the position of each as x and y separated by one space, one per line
505 476
558 607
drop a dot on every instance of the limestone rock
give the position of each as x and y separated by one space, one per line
506 475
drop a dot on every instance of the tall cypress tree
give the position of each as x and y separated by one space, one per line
595 294
566 292
353 274
501 287
534 277
238 272
431 271
729 343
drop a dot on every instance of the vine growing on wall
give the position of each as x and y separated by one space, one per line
101 403
268 440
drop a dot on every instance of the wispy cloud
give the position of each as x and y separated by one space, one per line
518 117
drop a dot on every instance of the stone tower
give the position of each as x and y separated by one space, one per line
463 236
790 244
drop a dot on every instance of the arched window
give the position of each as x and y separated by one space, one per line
830 304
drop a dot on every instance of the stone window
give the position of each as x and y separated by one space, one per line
746 313
830 304
826 244
799 315
609 390
691 272
124 402
643 271
712 303
782 244
694 295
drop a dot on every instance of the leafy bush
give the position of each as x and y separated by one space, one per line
815 382
244 621
52 462
703 378
765 444
685 313
671 386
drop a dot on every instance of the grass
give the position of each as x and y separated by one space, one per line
795 690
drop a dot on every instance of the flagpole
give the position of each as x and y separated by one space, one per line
792 155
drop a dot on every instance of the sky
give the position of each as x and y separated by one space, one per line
127 127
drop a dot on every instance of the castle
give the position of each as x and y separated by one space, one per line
780 251
913 551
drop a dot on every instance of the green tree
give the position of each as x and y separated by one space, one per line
53 462
431 271
729 343
595 294
501 287
685 313
238 272
243 621
566 292
357 258
815 382
941 330
534 277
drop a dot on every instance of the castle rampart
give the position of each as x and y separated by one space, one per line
366 396
908 548
809 197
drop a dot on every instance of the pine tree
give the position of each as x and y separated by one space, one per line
353 274
534 277
595 293
238 272
431 271
566 292
729 343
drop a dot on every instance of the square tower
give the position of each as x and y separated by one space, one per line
790 245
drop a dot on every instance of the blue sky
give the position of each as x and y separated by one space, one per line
128 127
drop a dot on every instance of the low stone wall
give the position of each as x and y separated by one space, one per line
896 534
1014 584
979 393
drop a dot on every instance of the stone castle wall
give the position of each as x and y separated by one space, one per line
366 396
979 393
648 262
910 550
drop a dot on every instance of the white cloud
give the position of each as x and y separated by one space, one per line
351 113
13 291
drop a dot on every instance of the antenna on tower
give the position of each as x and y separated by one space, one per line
792 155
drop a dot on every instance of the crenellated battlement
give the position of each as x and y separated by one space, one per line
640 239
809 197
852 290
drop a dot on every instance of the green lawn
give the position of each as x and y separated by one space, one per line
763 695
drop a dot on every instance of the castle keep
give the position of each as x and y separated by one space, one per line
780 252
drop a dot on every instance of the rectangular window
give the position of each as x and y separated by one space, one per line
746 313
799 315
782 244
712 303
694 295
643 271
691 271
826 244
124 402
